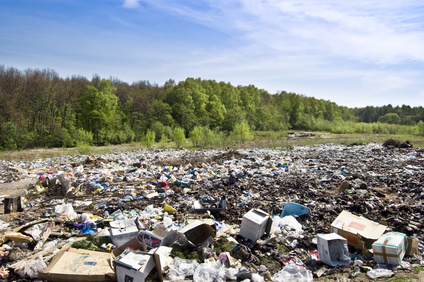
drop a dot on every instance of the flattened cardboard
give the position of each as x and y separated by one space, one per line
332 249
79 265
357 230
197 232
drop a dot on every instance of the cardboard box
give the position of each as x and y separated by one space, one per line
412 247
255 224
390 248
133 244
360 232
133 266
150 239
332 249
196 232
122 231
164 256
79 265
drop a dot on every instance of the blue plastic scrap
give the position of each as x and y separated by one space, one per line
295 209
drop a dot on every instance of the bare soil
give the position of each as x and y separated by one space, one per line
15 189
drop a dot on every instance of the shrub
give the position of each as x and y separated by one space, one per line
149 138
178 136
241 132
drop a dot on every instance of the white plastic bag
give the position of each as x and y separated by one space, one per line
31 268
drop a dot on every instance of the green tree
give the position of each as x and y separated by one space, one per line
149 138
98 111
232 117
195 135
178 136
158 128
391 118
420 128
7 136
163 139
216 111
241 132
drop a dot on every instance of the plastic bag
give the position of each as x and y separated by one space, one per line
66 209
380 273
31 268
294 273
288 222
182 268
210 272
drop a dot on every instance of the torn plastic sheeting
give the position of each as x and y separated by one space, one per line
36 231
31 268
295 210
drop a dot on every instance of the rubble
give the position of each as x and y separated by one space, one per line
253 214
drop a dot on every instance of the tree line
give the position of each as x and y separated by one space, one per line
38 108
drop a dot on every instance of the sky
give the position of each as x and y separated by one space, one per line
354 53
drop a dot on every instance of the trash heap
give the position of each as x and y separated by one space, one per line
301 213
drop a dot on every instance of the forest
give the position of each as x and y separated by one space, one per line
39 109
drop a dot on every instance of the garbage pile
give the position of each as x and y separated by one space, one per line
303 213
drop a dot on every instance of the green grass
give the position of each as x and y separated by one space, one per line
261 140
418 269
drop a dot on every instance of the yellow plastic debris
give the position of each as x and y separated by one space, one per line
168 208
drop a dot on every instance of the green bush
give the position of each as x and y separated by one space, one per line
178 136
420 128
241 132
196 135
7 136
149 138
83 137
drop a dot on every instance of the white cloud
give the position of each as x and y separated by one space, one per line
131 3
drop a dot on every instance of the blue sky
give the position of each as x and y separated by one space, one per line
354 53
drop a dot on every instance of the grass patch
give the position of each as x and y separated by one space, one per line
186 252
262 140
282 250
223 245
92 243
418 269
400 279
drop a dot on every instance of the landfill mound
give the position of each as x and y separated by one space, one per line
259 214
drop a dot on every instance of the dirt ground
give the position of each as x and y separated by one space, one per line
15 189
